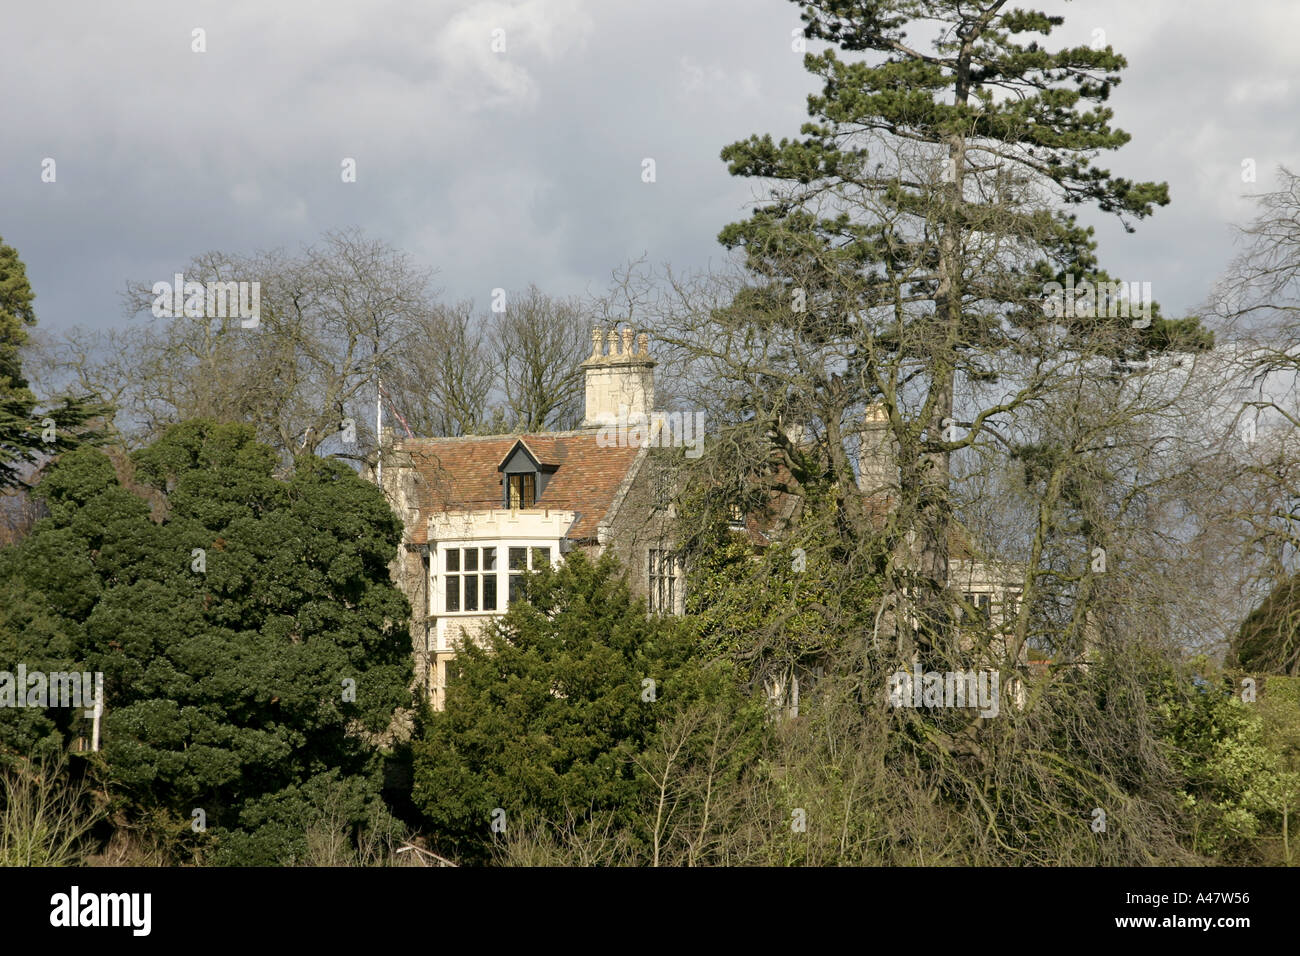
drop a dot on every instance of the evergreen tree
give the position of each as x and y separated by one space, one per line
27 433
248 631
554 713
912 235
1268 640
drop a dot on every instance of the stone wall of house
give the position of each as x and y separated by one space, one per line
642 522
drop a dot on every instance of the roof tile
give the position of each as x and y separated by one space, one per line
460 474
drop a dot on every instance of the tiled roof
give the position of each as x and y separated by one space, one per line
460 474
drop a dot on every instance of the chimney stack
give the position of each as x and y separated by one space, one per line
877 455
621 382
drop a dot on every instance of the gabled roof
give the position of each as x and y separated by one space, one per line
547 466
462 474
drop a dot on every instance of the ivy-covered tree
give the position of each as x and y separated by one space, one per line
250 637
780 611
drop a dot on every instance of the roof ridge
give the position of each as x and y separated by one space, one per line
503 436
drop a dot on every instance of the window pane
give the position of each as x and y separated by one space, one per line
513 481
453 592
516 587
489 559
530 490
471 592
489 592
662 492
653 562
453 559
541 558
518 559
471 559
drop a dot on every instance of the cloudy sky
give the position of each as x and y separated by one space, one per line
502 168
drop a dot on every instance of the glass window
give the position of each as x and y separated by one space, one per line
980 603
661 492
661 581
464 588
522 490
736 518
519 561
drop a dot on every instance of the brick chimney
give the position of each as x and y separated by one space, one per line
620 381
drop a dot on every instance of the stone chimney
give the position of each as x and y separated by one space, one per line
620 381
877 454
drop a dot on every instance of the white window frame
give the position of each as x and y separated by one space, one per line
438 586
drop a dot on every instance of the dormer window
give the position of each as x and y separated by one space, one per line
521 490
523 477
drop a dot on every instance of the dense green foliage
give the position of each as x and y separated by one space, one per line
257 655
906 246
249 636
777 611
557 711
1269 638
1237 764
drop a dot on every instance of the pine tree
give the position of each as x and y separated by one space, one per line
912 234
28 433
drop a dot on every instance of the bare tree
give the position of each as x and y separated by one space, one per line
541 341
332 319
1259 298
442 382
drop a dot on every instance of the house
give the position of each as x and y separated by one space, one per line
480 511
